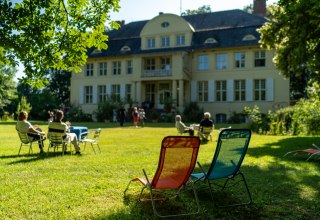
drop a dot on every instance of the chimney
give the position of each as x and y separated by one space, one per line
259 7
121 23
160 13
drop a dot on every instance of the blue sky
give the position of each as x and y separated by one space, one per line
137 10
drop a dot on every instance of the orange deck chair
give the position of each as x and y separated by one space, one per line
311 152
178 157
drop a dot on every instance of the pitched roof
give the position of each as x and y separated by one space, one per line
227 27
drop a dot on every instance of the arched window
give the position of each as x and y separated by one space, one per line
125 48
210 40
249 37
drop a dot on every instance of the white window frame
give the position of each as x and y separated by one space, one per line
240 90
88 94
240 60
116 67
116 91
165 41
103 69
151 43
102 93
180 40
221 61
203 62
260 58
89 69
221 90
129 67
260 90
203 95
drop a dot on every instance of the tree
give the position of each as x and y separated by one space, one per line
52 34
293 31
23 105
201 10
7 86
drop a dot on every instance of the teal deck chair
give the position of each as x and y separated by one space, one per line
230 151
178 156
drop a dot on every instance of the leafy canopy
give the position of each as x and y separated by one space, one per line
8 90
293 31
52 34
201 10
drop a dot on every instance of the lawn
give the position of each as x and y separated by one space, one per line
91 186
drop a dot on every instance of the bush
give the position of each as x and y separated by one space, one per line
76 114
105 109
192 112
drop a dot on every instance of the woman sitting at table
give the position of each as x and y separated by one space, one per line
58 126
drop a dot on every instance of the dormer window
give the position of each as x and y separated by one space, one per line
165 24
249 37
125 48
210 40
96 51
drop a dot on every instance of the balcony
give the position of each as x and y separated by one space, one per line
157 73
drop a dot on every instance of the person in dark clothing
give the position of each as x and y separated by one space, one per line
122 115
206 122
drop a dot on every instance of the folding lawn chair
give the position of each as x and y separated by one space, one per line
230 151
94 140
311 152
57 139
26 140
178 156
206 132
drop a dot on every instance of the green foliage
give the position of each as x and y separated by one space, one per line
76 114
293 34
23 105
8 90
105 109
201 10
258 122
52 34
192 112
306 116
281 121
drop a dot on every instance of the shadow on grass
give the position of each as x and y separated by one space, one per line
281 188
27 158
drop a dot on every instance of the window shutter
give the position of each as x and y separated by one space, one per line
122 91
81 95
211 91
229 90
94 94
249 90
108 88
270 89
193 91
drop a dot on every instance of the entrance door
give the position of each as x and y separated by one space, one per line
164 97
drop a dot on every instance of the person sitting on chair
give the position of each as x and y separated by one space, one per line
206 122
33 131
58 125
182 128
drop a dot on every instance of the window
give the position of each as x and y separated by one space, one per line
260 90
151 43
103 69
88 94
102 94
239 60
165 41
115 92
165 63
150 93
128 92
129 67
210 40
203 91
116 67
180 40
221 118
240 90
221 61
89 71
259 59
150 64
165 24
221 90
203 62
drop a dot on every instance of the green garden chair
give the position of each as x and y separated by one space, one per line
225 166
178 157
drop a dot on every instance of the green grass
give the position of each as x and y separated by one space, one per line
91 186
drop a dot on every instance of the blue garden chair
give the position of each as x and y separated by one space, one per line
230 151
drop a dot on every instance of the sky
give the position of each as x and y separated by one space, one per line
137 10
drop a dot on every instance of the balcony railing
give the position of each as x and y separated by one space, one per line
156 73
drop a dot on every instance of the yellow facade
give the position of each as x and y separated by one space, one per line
212 76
